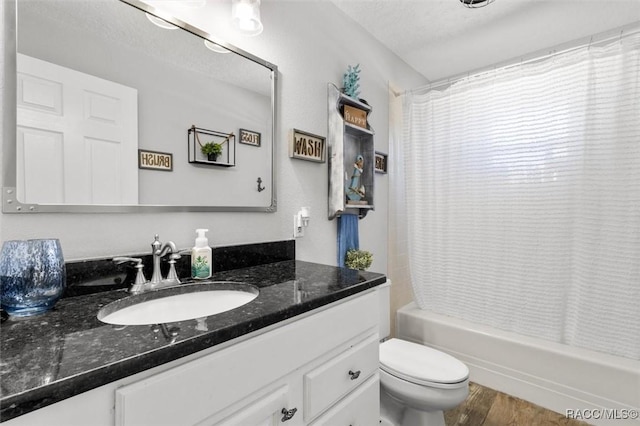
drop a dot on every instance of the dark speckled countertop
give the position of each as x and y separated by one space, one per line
47 358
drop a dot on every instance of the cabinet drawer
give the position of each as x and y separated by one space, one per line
328 383
360 408
266 411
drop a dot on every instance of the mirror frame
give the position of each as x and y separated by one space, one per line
9 127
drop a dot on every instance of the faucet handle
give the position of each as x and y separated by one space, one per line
120 260
140 279
172 276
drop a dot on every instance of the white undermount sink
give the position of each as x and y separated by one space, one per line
184 302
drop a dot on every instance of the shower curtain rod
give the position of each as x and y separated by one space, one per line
540 55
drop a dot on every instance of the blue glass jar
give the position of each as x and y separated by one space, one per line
32 276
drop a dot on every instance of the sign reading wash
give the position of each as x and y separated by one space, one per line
307 146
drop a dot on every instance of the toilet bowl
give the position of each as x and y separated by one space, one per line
417 383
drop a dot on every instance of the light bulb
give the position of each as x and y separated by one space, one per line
246 16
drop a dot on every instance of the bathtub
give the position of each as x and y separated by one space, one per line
598 388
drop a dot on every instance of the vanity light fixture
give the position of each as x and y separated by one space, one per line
474 4
245 15
215 47
161 23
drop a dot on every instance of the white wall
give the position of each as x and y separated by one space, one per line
312 44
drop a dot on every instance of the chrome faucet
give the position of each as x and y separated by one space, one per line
158 250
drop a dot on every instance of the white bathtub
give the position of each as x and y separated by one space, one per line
555 376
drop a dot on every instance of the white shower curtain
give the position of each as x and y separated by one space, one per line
523 197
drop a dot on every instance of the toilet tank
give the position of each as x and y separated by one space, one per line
384 297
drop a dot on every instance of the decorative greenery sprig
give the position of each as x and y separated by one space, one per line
350 81
358 259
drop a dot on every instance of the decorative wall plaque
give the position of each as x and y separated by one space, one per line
380 165
154 160
355 116
307 146
249 137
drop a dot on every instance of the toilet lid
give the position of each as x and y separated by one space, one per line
420 364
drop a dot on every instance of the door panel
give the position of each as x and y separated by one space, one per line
96 126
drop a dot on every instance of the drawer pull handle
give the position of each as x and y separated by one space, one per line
354 374
288 414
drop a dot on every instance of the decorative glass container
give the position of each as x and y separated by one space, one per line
32 276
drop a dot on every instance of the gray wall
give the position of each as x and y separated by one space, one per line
312 43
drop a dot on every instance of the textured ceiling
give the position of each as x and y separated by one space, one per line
441 38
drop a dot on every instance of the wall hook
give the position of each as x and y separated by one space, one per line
260 187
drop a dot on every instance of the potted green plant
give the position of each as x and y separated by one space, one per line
211 150
358 259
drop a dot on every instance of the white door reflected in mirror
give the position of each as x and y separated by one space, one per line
77 137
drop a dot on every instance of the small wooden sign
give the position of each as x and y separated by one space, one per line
307 146
355 116
155 160
380 165
249 138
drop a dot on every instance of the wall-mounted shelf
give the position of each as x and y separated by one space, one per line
357 131
197 137
346 143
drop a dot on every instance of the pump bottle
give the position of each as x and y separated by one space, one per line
201 257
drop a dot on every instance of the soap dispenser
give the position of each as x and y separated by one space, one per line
201 259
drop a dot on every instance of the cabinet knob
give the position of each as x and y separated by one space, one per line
354 374
288 414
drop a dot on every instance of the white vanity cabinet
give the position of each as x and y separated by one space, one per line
321 369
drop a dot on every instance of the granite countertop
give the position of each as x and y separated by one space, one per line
54 356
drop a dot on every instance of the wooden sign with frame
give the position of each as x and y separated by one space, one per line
381 160
154 160
307 146
355 116
249 137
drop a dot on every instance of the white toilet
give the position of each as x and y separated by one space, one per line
417 383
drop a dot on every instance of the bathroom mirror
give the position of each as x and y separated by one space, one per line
105 100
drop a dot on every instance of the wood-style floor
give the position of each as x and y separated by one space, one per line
488 407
